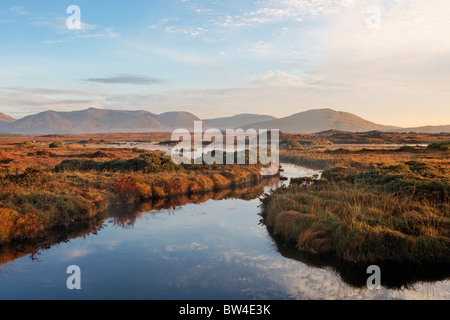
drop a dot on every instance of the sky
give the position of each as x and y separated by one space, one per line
387 61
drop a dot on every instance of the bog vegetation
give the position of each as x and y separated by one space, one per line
49 185
388 205
371 204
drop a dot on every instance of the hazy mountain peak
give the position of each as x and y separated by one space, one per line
237 121
316 120
6 118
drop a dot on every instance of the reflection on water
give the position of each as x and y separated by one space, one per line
16 250
394 275
125 216
206 246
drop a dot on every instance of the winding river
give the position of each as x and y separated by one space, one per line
210 246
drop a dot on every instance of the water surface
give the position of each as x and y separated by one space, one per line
210 246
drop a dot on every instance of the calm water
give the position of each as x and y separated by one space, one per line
209 247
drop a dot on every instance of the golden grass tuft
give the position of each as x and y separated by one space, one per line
395 211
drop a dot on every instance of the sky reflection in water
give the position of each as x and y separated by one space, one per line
213 249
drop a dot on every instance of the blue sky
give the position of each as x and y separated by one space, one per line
219 58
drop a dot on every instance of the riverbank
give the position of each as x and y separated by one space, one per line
67 184
369 206
125 215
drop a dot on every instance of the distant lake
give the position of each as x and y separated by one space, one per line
376 145
167 148
210 246
153 146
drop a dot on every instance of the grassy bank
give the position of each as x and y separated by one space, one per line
123 215
370 212
37 200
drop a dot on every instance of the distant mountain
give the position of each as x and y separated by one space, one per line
178 120
320 120
86 121
425 129
6 118
116 121
237 121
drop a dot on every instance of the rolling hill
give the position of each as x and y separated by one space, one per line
425 129
320 120
6 118
178 120
237 121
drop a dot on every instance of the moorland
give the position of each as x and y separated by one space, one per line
381 196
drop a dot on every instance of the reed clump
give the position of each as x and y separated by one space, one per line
37 200
397 212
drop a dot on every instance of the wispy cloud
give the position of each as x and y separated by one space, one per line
172 25
76 253
260 47
193 31
277 78
183 56
92 31
18 10
22 101
9 73
62 34
194 246
127 79
269 11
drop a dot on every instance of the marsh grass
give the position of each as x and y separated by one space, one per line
34 202
398 212
440 145
57 144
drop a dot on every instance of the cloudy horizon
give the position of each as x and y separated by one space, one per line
386 61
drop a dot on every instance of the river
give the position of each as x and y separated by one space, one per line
211 246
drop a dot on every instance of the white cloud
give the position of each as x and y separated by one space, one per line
303 282
276 78
18 10
10 73
63 34
76 253
260 47
193 31
180 56
104 33
279 10
22 101
194 246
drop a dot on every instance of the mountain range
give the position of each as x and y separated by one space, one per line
121 121
99 121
